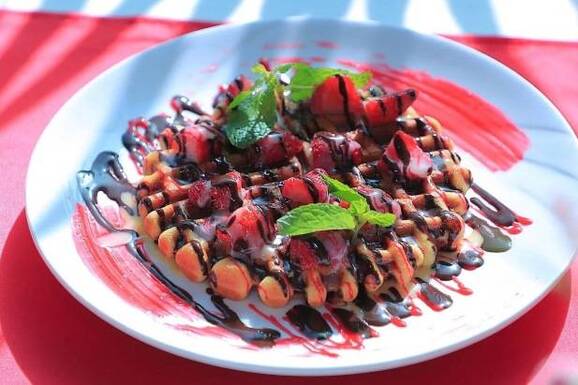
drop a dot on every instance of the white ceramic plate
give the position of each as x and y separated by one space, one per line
542 186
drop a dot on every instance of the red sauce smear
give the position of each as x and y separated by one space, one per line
127 277
120 271
212 331
395 320
477 126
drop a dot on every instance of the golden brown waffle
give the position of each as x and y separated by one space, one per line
430 220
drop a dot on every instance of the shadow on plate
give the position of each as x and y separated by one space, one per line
55 340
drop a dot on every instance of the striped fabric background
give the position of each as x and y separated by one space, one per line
50 48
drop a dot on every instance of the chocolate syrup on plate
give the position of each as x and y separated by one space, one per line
107 175
352 322
494 238
309 322
498 213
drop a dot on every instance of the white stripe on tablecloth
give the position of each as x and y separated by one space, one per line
541 19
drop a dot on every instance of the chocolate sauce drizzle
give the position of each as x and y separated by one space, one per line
352 322
447 269
309 322
139 139
107 175
494 238
345 97
498 213
380 313
433 297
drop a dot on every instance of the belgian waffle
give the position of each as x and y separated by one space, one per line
213 211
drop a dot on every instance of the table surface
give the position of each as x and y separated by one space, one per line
46 57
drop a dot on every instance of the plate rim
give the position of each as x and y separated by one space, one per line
284 370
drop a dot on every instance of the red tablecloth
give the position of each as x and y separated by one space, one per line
46 337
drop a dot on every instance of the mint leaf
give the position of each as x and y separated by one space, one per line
380 219
253 113
316 217
245 128
306 78
357 202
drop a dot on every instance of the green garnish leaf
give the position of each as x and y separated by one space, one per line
306 78
379 219
253 113
316 217
357 202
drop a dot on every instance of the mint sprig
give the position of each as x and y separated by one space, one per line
252 114
316 217
358 204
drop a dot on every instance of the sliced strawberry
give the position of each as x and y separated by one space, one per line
220 198
379 200
307 189
296 191
330 150
199 193
326 248
241 83
237 178
337 100
227 191
354 152
277 147
247 230
301 252
385 109
168 137
321 154
293 145
315 176
223 240
335 246
198 143
408 157
226 93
